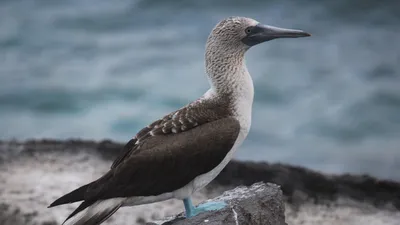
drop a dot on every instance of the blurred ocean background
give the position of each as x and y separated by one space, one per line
96 69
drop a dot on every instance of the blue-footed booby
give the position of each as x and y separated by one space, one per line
185 150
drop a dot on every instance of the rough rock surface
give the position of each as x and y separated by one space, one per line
260 204
299 184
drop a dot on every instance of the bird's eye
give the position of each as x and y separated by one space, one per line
248 30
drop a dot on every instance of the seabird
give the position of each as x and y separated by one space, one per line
185 150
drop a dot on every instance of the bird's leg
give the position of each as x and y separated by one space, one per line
208 206
189 208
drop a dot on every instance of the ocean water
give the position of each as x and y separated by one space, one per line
98 69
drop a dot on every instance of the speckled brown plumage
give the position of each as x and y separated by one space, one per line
195 114
157 161
197 149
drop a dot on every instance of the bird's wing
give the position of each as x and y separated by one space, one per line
165 163
179 121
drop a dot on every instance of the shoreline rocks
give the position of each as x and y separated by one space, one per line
297 182
33 173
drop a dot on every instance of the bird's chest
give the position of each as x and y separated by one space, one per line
242 112
244 117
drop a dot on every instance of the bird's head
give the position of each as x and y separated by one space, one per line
226 47
243 33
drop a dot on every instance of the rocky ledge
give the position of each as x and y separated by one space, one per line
260 204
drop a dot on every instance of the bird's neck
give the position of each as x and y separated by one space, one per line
228 74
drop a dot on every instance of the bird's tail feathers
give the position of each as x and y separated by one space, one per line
95 213
74 196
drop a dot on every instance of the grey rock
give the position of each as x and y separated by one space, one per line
259 204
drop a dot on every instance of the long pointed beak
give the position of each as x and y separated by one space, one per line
262 33
277 32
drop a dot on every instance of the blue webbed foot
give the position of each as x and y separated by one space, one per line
208 206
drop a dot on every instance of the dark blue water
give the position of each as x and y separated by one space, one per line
104 69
